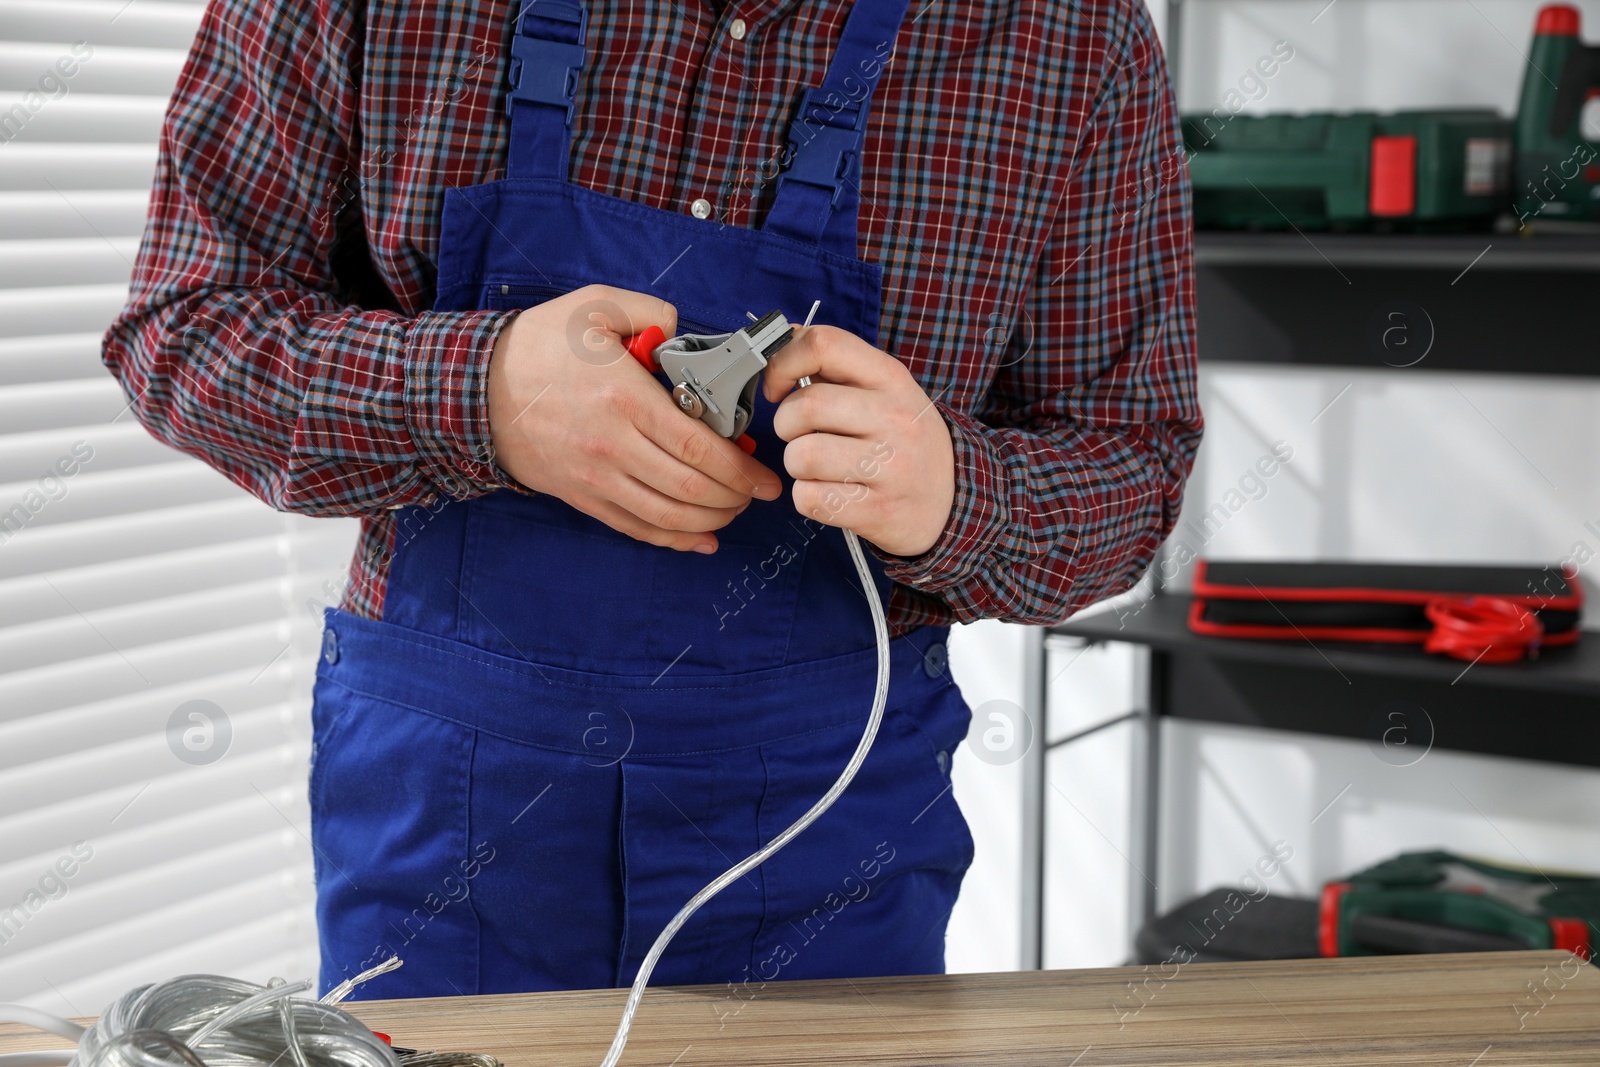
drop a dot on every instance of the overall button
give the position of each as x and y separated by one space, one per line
701 208
736 29
330 646
935 660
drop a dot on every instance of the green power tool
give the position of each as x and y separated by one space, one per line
1557 168
1441 902
1410 170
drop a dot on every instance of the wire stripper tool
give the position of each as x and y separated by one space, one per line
714 375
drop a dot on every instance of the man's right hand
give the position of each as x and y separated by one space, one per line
573 415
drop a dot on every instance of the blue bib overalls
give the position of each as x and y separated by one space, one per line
557 734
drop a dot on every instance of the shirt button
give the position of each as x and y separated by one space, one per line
701 208
736 29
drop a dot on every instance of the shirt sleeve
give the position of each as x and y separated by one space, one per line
236 344
1070 470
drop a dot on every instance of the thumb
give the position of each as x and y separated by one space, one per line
627 312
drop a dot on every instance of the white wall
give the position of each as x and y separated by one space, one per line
1364 54
984 933
1232 793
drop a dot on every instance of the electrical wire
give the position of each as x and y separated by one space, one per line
41 1020
1488 629
43 1058
202 1020
344 988
880 697
226 1022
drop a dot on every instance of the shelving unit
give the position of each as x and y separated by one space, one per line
1458 302
1491 302
1486 302
1328 689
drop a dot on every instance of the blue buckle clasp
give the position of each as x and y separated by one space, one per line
544 69
823 140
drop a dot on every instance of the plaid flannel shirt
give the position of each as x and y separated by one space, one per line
1021 185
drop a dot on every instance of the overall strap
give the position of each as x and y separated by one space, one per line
818 197
547 54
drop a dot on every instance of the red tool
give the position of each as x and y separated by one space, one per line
642 347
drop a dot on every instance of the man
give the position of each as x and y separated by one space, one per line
592 653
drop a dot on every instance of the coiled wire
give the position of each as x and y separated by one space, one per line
204 1020
210 1021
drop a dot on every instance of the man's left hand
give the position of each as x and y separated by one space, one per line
868 450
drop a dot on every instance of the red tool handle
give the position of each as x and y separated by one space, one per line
1328 917
642 347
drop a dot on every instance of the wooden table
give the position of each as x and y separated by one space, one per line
1460 1010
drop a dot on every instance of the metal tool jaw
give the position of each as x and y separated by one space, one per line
714 376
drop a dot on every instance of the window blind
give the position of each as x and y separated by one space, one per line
158 626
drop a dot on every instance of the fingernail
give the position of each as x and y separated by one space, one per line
769 491
705 549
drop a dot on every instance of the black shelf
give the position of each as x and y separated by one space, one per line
1443 252
1163 623
1406 303
1547 709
